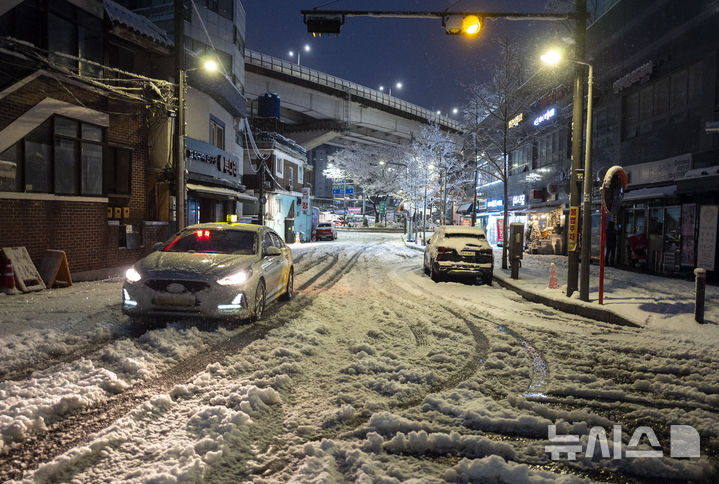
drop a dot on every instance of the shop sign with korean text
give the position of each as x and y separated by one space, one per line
573 229
305 198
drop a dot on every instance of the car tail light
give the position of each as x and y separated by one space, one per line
442 250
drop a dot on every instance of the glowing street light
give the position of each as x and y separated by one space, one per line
209 64
554 57
299 51
397 86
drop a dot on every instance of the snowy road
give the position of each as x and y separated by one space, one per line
371 373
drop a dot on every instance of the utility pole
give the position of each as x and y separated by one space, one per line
180 118
261 210
476 180
580 27
587 203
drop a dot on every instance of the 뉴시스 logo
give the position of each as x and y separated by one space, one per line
684 442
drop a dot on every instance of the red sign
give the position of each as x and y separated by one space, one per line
500 230
573 229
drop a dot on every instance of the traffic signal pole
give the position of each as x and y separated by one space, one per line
577 175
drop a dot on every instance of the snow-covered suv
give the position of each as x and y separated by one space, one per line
460 251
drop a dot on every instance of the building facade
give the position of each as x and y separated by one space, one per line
654 102
286 185
73 149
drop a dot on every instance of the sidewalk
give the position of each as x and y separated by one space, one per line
630 298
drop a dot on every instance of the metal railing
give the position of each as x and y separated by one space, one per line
282 66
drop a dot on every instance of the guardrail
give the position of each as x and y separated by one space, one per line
322 78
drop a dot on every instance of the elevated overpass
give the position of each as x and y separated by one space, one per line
317 108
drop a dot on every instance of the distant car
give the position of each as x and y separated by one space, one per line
456 250
325 231
212 270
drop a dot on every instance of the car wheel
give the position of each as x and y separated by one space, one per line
259 301
434 273
289 293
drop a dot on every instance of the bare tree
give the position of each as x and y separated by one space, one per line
372 168
490 109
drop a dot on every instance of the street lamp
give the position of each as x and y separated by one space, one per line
299 51
553 57
210 65
397 86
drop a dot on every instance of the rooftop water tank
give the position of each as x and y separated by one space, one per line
268 105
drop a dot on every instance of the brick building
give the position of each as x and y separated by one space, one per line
74 133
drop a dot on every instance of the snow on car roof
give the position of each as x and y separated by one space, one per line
463 229
225 226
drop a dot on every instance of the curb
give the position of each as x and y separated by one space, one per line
569 306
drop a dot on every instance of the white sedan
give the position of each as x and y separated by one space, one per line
216 270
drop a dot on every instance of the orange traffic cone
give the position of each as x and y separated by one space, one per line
553 281
8 279
297 237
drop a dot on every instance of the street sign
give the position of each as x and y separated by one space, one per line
343 189
383 207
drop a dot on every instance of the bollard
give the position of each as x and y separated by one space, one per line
700 287
515 267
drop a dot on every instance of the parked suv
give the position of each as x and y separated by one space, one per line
325 231
456 250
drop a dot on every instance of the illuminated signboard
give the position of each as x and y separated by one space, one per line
515 120
519 199
497 203
548 114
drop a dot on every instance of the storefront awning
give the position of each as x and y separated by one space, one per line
648 193
465 208
699 180
221 192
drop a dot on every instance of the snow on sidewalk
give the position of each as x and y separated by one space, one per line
643 299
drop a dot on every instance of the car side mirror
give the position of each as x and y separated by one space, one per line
273 251
158 246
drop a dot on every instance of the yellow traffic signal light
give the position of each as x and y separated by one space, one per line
471 25
468 24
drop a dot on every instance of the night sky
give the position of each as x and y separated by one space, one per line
433 67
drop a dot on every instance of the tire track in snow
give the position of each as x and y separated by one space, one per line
540 368
76 428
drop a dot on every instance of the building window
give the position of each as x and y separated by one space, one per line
117 171
61 156
217 132
301 175
279 166
193 211
290 178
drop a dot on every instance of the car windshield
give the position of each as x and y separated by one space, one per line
217 241
325 226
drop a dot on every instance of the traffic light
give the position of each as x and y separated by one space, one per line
323 24
456 24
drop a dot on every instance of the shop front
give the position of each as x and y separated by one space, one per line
545 226
289 216
214 184
650 230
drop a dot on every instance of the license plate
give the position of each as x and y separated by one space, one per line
175 299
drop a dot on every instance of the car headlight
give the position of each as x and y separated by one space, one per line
237 278
132 275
